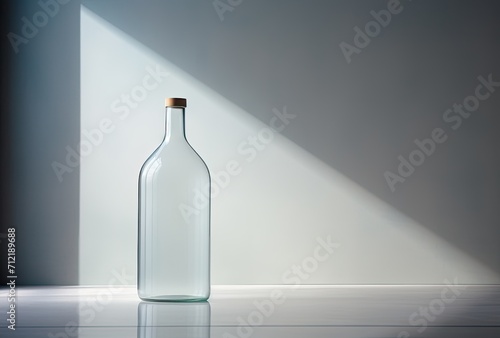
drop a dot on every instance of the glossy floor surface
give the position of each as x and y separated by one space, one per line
257 311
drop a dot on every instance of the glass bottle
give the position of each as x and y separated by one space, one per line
174 217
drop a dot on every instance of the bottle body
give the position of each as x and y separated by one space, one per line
174 220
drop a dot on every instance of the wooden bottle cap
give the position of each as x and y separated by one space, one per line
175 102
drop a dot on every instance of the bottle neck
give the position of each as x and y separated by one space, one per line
174 124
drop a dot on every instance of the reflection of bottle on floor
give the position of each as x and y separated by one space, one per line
176 319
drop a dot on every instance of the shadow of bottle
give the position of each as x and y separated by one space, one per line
155 320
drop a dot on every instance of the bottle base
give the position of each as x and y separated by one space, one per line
174 298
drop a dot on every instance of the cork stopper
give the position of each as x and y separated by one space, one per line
175 102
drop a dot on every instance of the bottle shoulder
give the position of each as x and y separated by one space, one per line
174 154
198 155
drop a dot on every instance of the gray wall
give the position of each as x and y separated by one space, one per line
356 117
44 116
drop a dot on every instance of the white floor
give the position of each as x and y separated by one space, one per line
258 311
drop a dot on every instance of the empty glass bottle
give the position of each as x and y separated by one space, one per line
174 217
